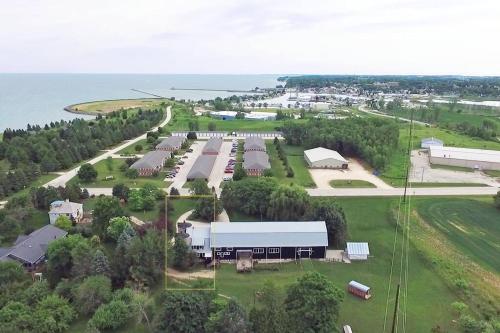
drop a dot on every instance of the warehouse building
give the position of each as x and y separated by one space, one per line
152 162
325 158
171 144
212 147
479 159
255 162
254 143
202 167
427 142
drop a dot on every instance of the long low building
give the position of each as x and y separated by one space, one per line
151 162
212 147
172 143
255 162
254 143
480 159
262 240
324 158
202 167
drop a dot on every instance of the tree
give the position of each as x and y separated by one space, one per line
16 317
334 217
63 222
199 187
116 226
312 304
212 126
231 319
35 293
53 314
94 291
110 316
192 136
81 256
250 196
239 173
11 272
87 173
132 173
121 191
269 316
100 264
59 259
105 209
288 203
138 148
208 208
147 258
109 163
174 191
181 258
496 200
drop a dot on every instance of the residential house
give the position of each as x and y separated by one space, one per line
73 210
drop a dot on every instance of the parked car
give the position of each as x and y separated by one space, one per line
184 156
190 150
232 155
228 170
227 178
180 162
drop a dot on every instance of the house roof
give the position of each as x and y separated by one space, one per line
255 160
432 140
31 248
320 153
212 146
254 142
359 286
202 167
65 207
266 234
480 155
200 236
358 248
151 160
171 142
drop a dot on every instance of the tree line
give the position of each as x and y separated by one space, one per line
372 139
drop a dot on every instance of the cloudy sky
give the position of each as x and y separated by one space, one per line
239 36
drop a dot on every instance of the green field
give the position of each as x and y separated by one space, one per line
373 224
295 156
119 176
130 150
353 183
99 107
447 185
471 225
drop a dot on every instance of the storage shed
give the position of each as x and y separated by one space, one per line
357 251
325 158
359 289
212 147
481 159
427 142
202 167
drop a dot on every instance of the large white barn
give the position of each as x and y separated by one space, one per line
324 158
465 157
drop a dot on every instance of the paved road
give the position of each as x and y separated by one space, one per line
363 109
396 192
61 180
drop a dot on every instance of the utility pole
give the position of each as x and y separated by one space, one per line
409 156
395 311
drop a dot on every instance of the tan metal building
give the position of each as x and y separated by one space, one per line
480 159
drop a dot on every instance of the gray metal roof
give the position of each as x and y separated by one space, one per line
268 234
202 167
213 145
172 142
200 236
32 248
359 286
432 140
151 160
255 160
358 248
254 143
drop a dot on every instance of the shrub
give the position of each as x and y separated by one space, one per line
110 316
132 173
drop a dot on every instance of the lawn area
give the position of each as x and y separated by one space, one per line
351 183
373 224
295 156
492 173
119 176
100 107
395 172
451 167
448 185
471 225
130 150
178 206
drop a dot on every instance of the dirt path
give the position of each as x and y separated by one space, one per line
202 274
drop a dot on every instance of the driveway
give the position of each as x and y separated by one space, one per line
322 177
61 180
421 172
180 179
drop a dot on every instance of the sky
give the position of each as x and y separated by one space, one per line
426 37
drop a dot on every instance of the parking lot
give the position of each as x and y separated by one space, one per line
217 175
180 179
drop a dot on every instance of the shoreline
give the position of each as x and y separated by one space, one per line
71 108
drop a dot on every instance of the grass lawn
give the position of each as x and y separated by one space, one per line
178 206
100 107
44 178
470 224
448 185
131 149
119 176
429 298
451 167
295 158
492 173
354 183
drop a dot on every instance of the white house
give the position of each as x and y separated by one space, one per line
73 210
325 158
357 251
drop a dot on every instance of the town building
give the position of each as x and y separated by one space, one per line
255 162
30 250
479 159
255 115
171 144
357 251
202 167
212 147
152 162
224 115
254 143
325 158
73 210
427 142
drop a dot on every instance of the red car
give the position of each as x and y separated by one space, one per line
229 171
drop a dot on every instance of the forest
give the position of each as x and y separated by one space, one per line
59 145
373 139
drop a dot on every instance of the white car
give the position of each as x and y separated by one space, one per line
227 178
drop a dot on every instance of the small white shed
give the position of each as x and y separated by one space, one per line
357 251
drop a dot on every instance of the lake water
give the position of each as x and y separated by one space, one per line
40 98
